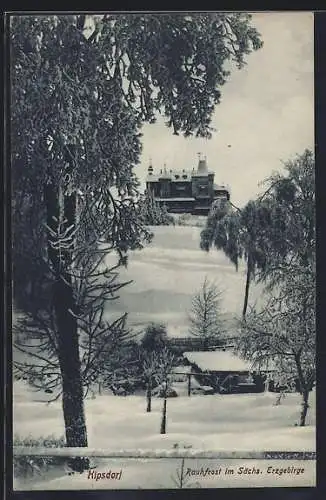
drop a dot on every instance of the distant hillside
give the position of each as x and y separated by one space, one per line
168 272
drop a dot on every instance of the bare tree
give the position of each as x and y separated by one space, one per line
100 341
149 371
205 314
165 362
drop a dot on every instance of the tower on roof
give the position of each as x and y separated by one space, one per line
202 166
150 168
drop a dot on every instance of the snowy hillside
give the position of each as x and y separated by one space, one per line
166 275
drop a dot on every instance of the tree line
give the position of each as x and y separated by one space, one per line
275 235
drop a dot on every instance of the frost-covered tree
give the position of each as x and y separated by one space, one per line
152 344
149 367
205 313
288 223
152 212
273 231
101 342
237 233
81 88
123 373
165 362
282 333
155 337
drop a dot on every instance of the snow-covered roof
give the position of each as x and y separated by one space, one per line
182 369
226 361
218 361
153 178
202 174
179 175
222 187
178 198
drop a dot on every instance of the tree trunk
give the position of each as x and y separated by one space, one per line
304 390
246 296
182 473
68 344
304 408
163 422
149 396
72 388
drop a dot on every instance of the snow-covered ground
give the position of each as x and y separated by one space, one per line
168 272
222 423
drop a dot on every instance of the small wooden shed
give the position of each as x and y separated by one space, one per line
225 372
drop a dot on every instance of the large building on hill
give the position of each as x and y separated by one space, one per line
186 191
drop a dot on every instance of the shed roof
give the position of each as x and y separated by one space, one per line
218 361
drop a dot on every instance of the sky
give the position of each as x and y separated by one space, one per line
266 115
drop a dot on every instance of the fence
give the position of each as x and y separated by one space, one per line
209 375
183 344
20 451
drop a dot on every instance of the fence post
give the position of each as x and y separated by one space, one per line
189 384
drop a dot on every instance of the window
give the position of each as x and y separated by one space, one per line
165 189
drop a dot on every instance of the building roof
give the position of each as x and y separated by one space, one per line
202 171
172 174
202 174
182 179
170 199
153 178
221 187
219 361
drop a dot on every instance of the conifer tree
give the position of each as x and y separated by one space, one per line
152 212
81 88
205 313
